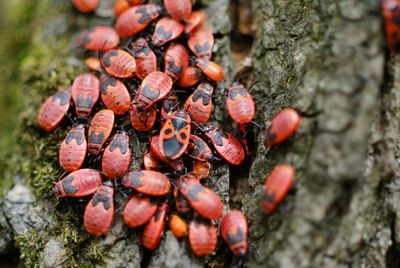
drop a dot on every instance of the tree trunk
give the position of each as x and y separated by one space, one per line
326 59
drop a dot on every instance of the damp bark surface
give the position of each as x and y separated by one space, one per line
327 59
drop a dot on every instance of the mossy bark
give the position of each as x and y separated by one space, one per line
325 58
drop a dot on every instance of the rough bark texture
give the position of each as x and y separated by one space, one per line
325 58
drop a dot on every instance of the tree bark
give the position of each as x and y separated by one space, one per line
327 59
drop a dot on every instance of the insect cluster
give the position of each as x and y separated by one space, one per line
145 68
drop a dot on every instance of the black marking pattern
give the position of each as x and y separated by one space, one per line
149 93
121 144
145 15
237 91
217 137
163 35
96 139
102 198
200 94
235 238
107 58
171 146
136 179
203 50
174 69
75 135
107 81
67 186
63 96
194 191
178 123
81 102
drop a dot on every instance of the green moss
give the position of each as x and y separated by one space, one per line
30 245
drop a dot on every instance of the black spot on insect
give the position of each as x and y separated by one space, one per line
235 238
81 102
96 139
75 135
68 188
271 136
194 190
136 179
269 198
149 93
138 49
237 91
174 70
203 50
217 137
183 136
145 16
121 144
204 96
162 34
107 58
63 96
107 81
104 199
167 131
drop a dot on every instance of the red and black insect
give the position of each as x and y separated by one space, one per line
201 169
227 146
154 87
195 20
276 187
136 19
166 29
176 60
176 165
139 210
85 93
93 64
154 229
202 237
189 77
73 149
391 15
199 104
210 69
198 149
119 63
147 182
201 42
202 199
146 60
181 203
54 109
150 162
116 157
178 226
178 9
142 120
120 6
100 129
79 183
240 104
85 6
99 38
234 231
114 94
99 211
175 135
283 125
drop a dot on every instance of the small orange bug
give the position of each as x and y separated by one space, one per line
54 109
195 20
240 104
119 63
85 93
199 104
146 60
202 237
154 229
201 169
178 9
283 125
178 226
114 94
99 130
176 60
79 183
276 187
73 149
175 135
85 6
136 19
147 182
99 211
116 157
139 210
99 38
166 29
202 199
210 69
189 77
234 231
201 42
